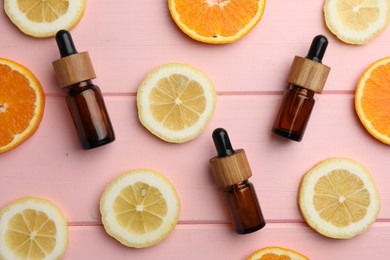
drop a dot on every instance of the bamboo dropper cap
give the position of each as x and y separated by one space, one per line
73 67
309 72
230 166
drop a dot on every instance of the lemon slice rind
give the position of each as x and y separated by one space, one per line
152 178
306 195
55 215
45 29
352 36
157 128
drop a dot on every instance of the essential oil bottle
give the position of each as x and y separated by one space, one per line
231 171
74 72
306 77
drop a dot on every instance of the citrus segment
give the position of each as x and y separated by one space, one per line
216 21
338 198
357 22
43 18
32 228
276 253
140 208
372 100
21 104
175 102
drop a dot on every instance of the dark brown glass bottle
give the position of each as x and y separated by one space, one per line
74 72
307 76
231 171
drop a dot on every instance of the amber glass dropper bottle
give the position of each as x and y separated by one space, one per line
231 171
74 72
307 76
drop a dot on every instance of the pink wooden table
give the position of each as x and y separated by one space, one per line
128 38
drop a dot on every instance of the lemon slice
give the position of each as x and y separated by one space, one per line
338 198
32 228
175 102
140 208
357 22
276 253
43 18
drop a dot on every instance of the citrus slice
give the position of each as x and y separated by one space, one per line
372 100
21 104
357 22
43 18
276 253
338 198
32 228
140 208
175 102
216 21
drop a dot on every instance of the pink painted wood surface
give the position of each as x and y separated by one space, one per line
126 39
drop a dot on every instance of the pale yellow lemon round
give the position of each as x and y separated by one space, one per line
140 208
175 102
338 198
357 22
44 18
32 229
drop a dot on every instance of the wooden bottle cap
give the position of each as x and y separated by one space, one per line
308 74
230 170
73 69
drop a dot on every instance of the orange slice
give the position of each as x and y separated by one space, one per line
372 100
216 21
21 104
276 253
338 198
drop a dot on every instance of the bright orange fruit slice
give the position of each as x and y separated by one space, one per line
372 100
216 21
276 253
21 104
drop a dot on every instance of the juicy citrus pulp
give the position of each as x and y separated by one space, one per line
175 102
276 253
372 100
216 21
21 104
43 18
140 208
32 228
357 22
338 198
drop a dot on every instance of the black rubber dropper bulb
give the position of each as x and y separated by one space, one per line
317 48
222 143
65 43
